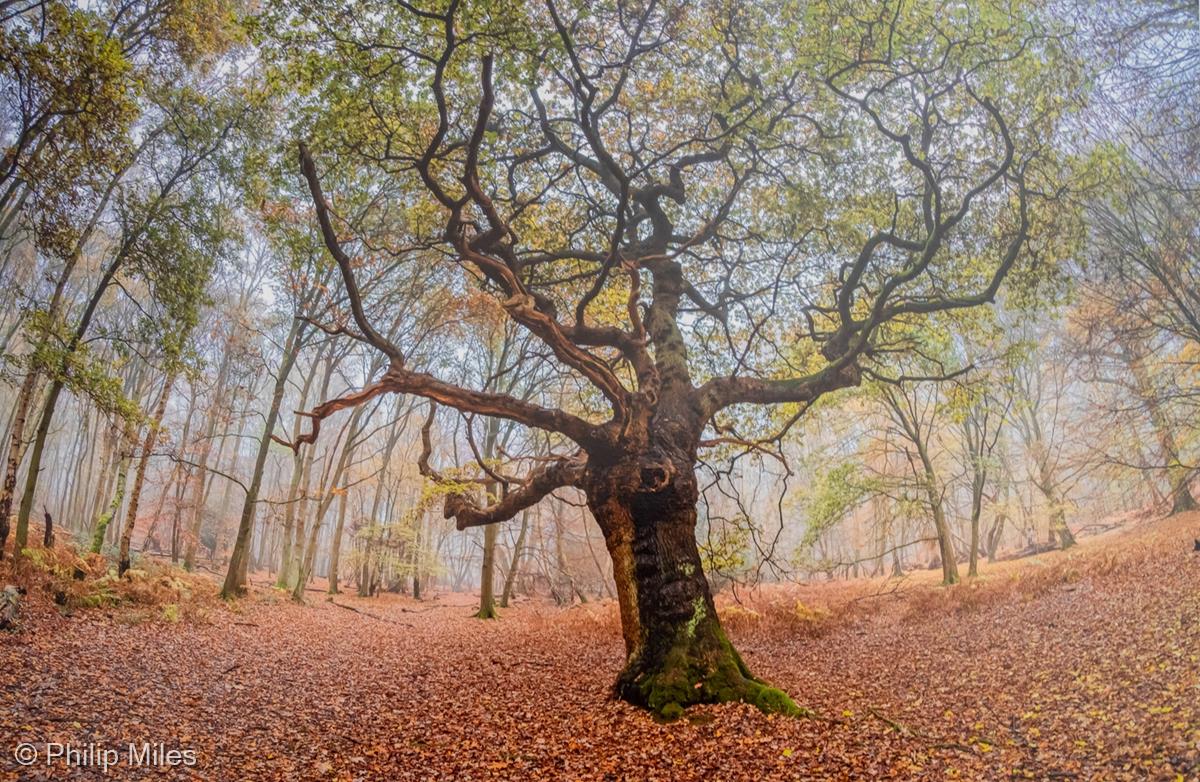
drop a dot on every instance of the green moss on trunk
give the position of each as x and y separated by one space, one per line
678 654
700 667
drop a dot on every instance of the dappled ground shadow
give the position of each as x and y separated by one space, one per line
1079 666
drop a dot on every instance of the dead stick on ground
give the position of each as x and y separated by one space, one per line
366 613
904 730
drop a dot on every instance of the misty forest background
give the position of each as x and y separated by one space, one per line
171 313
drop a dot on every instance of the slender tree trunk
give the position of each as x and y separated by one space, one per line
79 504
31 381
177 522
418 537
310 550
289 521
941 526
230 469
564 586
1178 475
15 450
1058 512
296 521
487 591
139 478
103 522
176 482
335 547
56 387
73 478
291 566
235 578
511 578
364 570
995 534
104 479
977 485
192 534
156 516
299 471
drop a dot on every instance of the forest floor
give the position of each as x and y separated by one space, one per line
1077 665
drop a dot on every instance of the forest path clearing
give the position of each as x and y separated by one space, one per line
1095 674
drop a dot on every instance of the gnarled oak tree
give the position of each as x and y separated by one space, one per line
700 210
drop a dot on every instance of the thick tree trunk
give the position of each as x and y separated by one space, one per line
1059 528
945 545
1059 532
1182 500
677 652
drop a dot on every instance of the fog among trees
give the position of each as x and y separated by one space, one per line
659 307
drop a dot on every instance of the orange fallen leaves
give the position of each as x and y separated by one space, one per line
1094 678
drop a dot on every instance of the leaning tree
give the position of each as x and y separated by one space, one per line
701 211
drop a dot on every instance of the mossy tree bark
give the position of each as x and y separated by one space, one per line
677 652
102 523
